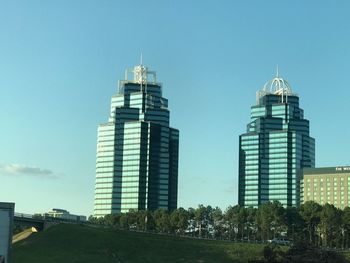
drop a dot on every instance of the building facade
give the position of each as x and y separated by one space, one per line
63 214
275 148
7 211
327 185
137 151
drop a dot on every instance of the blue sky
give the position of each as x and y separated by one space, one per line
60 62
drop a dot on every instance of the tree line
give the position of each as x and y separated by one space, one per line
318 225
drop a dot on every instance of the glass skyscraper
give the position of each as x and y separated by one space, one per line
275 148
137 151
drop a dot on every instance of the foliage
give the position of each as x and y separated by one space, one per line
179 220
300 252
310 212
317 225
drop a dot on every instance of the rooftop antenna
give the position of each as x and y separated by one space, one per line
141 59
283 87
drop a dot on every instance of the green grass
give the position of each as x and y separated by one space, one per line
76 243
346 254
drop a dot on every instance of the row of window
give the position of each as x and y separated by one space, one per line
328 179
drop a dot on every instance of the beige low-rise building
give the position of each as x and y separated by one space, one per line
63 214
327 185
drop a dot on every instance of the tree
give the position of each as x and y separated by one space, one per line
231 218
218 222
330 222
124 221
162 221
310 212
145 220
191 213
345 226
179 219
270 219
96 220
200 215
251 223
112 220
128 220
295 224
242 218
217 215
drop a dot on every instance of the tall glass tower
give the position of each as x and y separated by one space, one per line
137 151
275 148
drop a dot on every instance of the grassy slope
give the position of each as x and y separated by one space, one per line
75 243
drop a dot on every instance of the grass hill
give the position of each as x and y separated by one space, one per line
77 243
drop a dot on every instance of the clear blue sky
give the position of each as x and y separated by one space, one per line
60 62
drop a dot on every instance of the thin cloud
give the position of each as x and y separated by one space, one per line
230 189
23 170
230 186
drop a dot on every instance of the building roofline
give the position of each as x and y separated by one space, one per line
326 170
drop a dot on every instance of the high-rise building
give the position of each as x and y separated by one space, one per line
327 185
137 151
275 148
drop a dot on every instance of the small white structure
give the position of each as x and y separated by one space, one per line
64 214
6 225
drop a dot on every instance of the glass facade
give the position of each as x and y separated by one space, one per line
137 151
275 148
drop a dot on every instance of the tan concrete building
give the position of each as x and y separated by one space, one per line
327 185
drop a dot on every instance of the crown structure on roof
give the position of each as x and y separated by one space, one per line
277 86
141 75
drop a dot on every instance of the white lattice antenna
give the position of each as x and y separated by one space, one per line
140 76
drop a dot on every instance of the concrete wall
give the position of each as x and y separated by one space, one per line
6 225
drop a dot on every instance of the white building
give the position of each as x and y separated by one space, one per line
64 214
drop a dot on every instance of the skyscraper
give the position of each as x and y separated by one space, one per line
137 151
275 148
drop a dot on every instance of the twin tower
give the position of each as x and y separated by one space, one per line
275 148
137 150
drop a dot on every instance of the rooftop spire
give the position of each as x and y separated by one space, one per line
277 72
141 59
